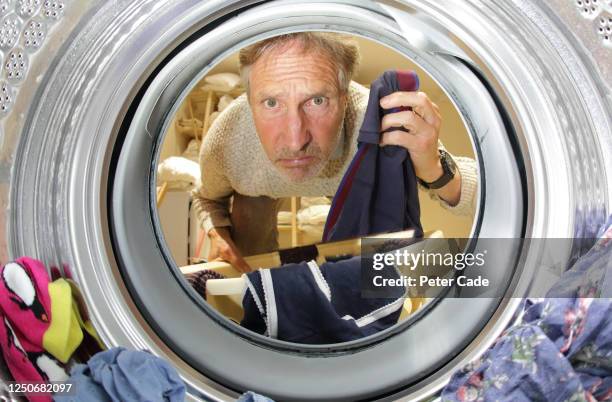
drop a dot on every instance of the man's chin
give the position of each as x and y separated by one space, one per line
299 174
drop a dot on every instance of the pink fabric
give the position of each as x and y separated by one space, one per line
29 319
24 319
17 353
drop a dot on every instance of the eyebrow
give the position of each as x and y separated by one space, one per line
275 94
320 93
263 96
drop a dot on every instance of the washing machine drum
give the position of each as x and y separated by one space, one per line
85 105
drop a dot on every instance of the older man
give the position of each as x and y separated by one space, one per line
294 133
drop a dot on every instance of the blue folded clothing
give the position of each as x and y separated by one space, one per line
305 303
122 375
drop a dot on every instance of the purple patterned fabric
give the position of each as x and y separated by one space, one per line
561 351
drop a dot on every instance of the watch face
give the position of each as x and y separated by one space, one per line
448 164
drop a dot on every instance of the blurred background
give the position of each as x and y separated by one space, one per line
302 218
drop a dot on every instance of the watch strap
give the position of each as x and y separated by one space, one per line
448 168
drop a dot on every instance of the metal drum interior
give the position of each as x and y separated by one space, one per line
80 196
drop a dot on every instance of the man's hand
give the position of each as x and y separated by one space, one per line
223 248
423 123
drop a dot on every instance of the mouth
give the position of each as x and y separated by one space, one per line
297 162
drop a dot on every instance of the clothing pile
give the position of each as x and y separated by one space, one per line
44 323
121 375
45 331
311 216
561 348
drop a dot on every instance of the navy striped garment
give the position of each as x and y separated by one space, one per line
378 193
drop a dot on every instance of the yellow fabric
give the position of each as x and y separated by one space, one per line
64 334
78 304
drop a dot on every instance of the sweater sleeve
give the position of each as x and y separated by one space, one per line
469 187
211 199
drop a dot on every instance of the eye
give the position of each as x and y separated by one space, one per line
270 103
318 100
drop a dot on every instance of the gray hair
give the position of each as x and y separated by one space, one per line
341 49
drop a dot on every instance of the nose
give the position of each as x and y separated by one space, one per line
298 135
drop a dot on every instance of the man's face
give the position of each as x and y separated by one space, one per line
298 109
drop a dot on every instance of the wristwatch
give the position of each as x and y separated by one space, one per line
449 167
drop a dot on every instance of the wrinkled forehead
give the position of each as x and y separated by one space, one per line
291 62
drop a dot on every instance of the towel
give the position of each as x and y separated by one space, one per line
179 172
227 81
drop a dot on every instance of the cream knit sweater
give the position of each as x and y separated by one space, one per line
232 160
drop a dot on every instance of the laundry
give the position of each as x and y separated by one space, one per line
561 349
79 305
27 362
591 274
24 298
179 173
26 314
224 102
192 151
122 375
198 280
64 334
524 365
298 254
310 217
305 303
378 192
226 81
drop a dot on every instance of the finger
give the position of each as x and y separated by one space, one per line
240 264
236 260
436 107
398 137
419 101
243 266
408 120
405 119
416 145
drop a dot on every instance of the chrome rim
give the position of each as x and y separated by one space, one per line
560 140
